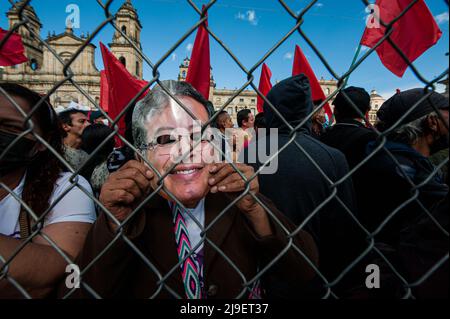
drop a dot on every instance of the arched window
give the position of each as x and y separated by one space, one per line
328 91
124 29
183 74
137 68
34 64
123 61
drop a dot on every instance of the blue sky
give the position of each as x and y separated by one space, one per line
249 29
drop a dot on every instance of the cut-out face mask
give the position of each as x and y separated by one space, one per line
174 136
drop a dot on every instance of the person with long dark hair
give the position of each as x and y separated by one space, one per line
33 185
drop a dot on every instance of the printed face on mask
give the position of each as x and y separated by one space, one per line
173 133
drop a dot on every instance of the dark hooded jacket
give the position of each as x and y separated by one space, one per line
351 138
301 182
398 215
391 182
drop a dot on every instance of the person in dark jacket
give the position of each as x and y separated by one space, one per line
403 162
423 245
299 179
350 134
400 189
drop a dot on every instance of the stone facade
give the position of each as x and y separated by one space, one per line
376 101
247 99
129 24
45 69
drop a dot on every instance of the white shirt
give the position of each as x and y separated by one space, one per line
75 206
194 231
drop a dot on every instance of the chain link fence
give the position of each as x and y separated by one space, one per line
298 20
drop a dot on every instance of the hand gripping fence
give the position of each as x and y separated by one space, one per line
297 22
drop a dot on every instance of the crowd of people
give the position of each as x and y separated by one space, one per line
144 223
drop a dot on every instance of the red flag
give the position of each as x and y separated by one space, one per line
264 85
123 87
12 51
104 91
301 65
414 33
199 73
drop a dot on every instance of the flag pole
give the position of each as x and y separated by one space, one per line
355 58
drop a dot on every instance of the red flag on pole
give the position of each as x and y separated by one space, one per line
12 51
199 73
301 65
104 91
414 33
123 87
264 85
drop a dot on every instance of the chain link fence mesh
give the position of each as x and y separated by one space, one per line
298 19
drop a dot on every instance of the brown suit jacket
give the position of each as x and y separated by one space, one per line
124 273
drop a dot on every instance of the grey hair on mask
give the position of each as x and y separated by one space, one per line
410 133
156 101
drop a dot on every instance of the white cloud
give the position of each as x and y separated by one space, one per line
442 18
240 16
249 16
288 56
189 47
319 5
173 57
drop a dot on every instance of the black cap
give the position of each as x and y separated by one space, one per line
360 99
394 108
